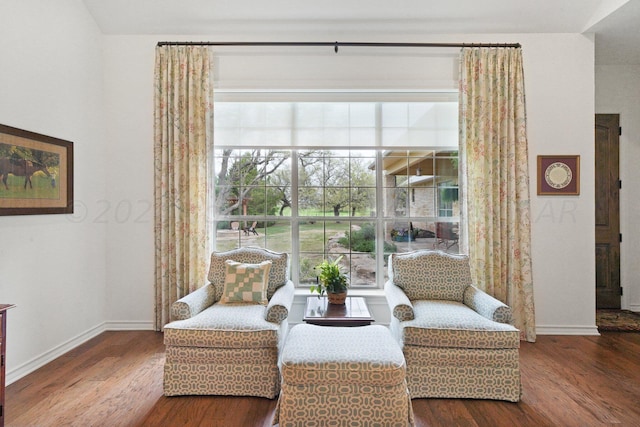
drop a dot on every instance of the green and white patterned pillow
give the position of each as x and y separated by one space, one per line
245 283
278 275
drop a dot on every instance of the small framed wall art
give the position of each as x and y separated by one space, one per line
559 175
36 173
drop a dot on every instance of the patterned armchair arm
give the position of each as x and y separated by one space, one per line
280 303
487 306
399 304
192 304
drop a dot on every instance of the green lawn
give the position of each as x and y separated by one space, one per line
312 236
325 214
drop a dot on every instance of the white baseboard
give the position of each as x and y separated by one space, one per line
566 330
129 325
50 355
37 362
634 307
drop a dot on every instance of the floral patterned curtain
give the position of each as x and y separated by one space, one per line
183 132
494 154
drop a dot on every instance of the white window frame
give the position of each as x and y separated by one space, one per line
336 96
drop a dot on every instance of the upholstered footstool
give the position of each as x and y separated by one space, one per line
334 376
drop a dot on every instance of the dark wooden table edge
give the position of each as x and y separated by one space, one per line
338 321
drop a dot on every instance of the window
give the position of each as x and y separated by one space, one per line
326 179
448 198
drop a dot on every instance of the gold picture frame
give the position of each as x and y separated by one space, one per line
36 173
559 175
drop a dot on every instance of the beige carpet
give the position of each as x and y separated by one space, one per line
617 320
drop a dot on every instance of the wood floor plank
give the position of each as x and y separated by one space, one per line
115 379
441 412
486 412
603 381
558 388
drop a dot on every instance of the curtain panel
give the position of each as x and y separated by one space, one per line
182 137
494 155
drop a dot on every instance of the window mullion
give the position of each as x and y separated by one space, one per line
295 212
295 215
380 226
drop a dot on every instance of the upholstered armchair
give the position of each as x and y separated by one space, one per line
224 338
457 340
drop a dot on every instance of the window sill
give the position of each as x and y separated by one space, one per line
373 293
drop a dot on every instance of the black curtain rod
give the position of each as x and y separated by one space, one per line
337 44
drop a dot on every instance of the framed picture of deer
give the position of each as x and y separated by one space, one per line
36 173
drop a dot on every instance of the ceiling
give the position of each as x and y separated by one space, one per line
616 23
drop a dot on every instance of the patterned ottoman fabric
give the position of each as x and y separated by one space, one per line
335 376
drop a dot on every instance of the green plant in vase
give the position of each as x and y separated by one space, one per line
331 280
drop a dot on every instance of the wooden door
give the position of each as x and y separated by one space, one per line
607 190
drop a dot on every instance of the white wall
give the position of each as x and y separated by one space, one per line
128 208
618 92
559 81
73 276
53 266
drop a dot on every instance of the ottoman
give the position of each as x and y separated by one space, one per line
334 376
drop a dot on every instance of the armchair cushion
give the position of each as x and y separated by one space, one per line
245 283
278 275
454 325
224 326
430 275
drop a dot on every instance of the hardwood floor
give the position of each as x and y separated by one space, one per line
116 380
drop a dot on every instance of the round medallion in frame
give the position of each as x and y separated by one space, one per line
558 175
